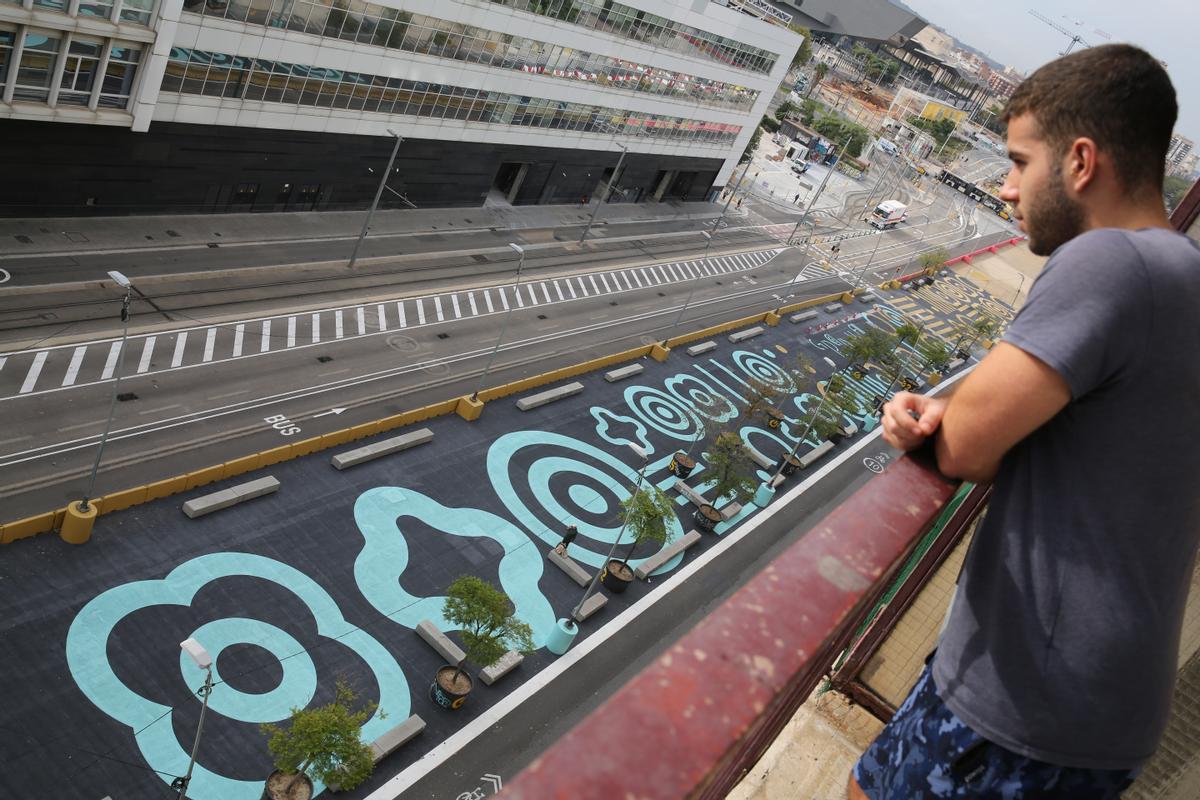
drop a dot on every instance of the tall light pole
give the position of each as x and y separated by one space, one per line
375 203
504 327
812 421
704 259
202 659
604 194
125 284
812 201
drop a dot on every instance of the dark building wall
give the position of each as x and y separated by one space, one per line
54 169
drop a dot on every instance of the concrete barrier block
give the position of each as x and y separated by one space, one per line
395 738
30 526
702 348
388 446
118 501
240 466
165 488
815 454
207 504
568 565
549 396
440 642
694 497
275 455
758 458
730 511
867 297
647 567
748 333
203 477
624 372
833 308
804 316
777 481
504 665
268 484
955 364
591 606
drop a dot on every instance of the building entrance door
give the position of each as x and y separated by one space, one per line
509 178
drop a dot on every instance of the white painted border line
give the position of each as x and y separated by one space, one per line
402 781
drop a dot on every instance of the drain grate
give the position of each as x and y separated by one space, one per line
148 236
23 239
125 396
720 284
443 336
542 316
324 359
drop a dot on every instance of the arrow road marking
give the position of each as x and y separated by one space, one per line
330 411
495 781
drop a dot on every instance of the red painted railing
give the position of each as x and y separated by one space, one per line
966 257
695 720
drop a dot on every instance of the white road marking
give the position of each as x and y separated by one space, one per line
437 307
180 343
454 302
471 302
3 361
487 296
382 315
625 278
238 333
316 328
337 324
604 280
420 311
35 369
110 363
582 288
73 367
570 289
264 344
361 316
291 335
592 280
558 291
209 342
400 313
546 292
663 275
532 296
517 294
636 279
646 275
147 354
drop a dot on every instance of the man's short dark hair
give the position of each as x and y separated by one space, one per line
1117 95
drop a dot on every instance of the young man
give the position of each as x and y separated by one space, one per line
1054 673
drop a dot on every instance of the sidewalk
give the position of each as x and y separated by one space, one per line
21 236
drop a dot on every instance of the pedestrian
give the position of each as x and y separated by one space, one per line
739 202
1054 671
796 199
567 538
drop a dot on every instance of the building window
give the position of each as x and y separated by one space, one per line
118 78
36 70
79 72
53 5
245 194
137 11
96 8
7 39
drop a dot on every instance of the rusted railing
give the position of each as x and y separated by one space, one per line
694 721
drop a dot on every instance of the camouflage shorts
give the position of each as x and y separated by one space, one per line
927 752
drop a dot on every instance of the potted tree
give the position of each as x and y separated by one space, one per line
825 420
646 515
732 474
322 742
682 464
488 628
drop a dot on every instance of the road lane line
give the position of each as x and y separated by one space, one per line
532 296
471 302
239 333
420 311
400 312
209 342
73 367
110 363
291 336
159 410
454 303
360 315
604 280
180 343
264 344
316 328
379 312
337 324
570 289
35 369
646 275
147 354
625 278
437 307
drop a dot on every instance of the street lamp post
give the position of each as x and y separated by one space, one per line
812 201
812 421
127 285
678 317
604 194
202 659
375 203
504 327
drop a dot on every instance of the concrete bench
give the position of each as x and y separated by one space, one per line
440 642
758 458
591 606
742 336
395 738
849 429
803 316
702 348
215 501
955 364
694 497
777 481
568 565
621 374
730 511
816 453
504 665
868 297
386 447
549 396
666 554
833 308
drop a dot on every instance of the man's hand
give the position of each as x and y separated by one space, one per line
908 431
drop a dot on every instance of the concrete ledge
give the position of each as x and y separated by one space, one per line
730 510
549 396
833 308
567 565
504 665
955 364
758 458
386 447
818 452
804 316
742 336
694 497
702 348
591 606
666 554
440 642
624 372
777 481
206 504
868 297
398 736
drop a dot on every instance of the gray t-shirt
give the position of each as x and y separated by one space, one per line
1063 637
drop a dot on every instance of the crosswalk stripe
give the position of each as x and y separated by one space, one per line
662 273
110 363
558 291
646 276
636 279
180 343
264 344
382 314
3 361
238 333
454 302
35 369
400 313
437 308
316 328
504 297
291 340
147 354
209 342
532 296
420 311
625 278
361 316
73 367
545 292
582 287
337 324
692 268
517 294
592 280
471 301
604 280
571 289
487 298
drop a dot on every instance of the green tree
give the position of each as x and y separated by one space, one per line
324 742
486 621
646 515
933 259
819 73
935 353
805 52
731 469
751 145
1174 189
808 110
838 130
785 108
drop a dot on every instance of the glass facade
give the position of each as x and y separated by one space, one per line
118 77
368 23
35 73
79 72
63 68
221 75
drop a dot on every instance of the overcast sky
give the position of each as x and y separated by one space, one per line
1169 29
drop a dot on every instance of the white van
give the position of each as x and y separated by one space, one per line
887 147
889 214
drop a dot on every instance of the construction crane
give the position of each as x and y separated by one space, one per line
1075 38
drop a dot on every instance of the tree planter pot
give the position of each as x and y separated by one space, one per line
775 418
448 694
789 465
682 465
707 518
276 787
616 576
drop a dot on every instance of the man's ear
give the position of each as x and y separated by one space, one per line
1080 164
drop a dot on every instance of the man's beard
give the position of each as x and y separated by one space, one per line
1052 218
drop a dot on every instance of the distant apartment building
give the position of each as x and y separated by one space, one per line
1181 158
134 106
1003 84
